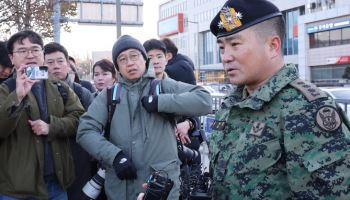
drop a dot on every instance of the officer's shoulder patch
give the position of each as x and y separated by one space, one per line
328 118
310 91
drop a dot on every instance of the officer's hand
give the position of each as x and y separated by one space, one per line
150 103
123 167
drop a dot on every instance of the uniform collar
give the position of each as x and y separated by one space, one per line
264 93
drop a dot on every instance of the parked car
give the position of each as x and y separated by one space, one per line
341 95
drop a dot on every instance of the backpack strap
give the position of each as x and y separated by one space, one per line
113 98
11 84
155 88
62 91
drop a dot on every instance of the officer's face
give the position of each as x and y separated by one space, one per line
131 64
244 57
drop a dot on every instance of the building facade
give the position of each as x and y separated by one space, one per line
317 38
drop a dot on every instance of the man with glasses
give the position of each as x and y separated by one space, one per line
35 123
142 138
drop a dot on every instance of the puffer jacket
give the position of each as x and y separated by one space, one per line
22 152
148 139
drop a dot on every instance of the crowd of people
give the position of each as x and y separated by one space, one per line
274 137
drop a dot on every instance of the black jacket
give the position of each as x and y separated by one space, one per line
180 68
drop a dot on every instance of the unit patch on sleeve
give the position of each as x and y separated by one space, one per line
328 118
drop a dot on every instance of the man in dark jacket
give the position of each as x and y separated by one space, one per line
35 123
179 67
56 58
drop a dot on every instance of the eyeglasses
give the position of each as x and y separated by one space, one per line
123 60
25 52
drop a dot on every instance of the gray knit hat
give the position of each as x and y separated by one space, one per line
126 42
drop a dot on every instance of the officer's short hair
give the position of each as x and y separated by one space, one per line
53 47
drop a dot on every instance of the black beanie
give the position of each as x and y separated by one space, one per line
126 42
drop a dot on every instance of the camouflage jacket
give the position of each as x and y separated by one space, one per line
287 140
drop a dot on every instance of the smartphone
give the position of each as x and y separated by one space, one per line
37 72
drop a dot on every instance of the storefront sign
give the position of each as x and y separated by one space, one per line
171 25
328 26
339 60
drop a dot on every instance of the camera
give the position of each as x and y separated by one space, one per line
36 72
159 186
93 187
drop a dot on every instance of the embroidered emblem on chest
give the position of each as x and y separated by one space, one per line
328 119
257 128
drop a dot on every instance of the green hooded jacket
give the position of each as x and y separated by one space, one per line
148 139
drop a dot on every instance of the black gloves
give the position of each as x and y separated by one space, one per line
150 103
123 167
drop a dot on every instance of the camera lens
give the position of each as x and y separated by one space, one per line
93 187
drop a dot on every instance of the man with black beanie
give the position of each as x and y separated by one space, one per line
141 139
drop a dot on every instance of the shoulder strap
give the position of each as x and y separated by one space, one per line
11 84
113 98
310 91
155 88
62 91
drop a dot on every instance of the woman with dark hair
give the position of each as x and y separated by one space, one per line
104 74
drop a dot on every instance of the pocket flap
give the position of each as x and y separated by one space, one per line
165 165
257 158
326 154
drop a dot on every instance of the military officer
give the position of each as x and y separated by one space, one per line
276 136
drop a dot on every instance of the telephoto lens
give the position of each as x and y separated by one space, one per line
188 155
93 187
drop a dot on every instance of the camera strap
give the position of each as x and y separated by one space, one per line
113 98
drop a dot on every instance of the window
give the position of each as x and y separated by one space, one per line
290 46
330 38
208 48
335 37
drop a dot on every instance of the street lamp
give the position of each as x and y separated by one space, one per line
197 42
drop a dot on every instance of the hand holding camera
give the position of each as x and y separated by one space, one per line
150 103
124 168
23 83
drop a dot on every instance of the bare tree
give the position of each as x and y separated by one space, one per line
36 15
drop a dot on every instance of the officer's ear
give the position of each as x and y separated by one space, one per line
274 46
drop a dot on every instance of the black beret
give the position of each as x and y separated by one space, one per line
237 15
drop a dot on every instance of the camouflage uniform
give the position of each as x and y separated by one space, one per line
284 141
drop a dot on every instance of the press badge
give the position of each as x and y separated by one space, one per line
218 125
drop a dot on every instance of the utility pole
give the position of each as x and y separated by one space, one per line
118 18
56 20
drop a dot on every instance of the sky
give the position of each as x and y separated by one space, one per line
83 39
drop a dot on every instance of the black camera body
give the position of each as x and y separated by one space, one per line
159 186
